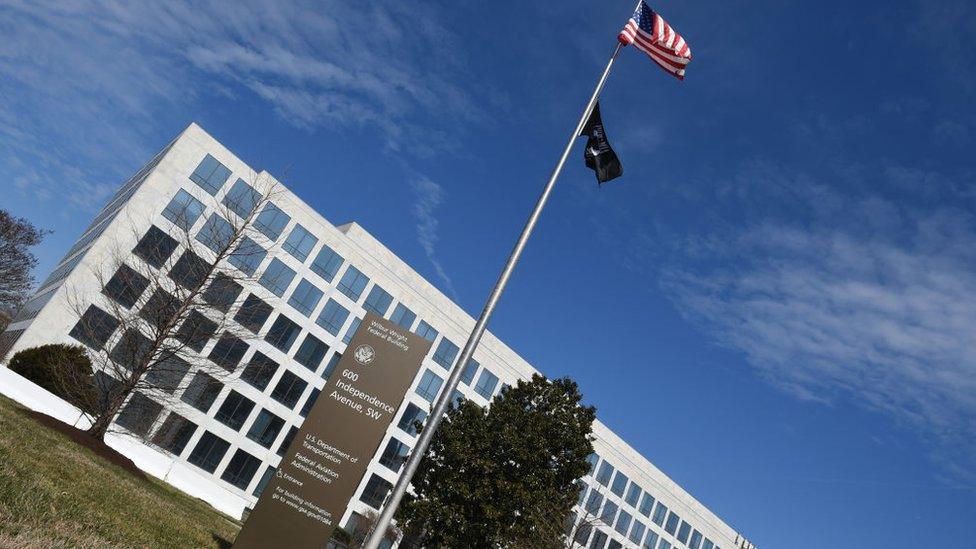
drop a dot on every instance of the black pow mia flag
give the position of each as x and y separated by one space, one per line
599 156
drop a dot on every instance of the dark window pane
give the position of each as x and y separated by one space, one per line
208 452
228 351
330 367
241 469
277 277
445 353
125 286
139 414
216 234
222 292
305 297
247 256
309 402
174 433
332 317
196 331
155 247
285 442
289 389
283 333
467 376
234 410
394 455
210 175
94 327
263 483
160 309
311 352
253 313
190 271
242 198
202 391
167 373
375 492
259 371
413 417
378 301
429 386
132 350
265 429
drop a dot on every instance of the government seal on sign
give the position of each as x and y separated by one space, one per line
364 354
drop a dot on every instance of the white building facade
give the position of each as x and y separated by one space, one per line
221 441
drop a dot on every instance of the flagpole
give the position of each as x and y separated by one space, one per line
410 467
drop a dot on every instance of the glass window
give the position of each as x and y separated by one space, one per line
155 247
426 331
351 330
467 376
254 312
309 402
160 309
286 441
183 210
708 544
646 504
332 317
606 471
271 221
330 367
457 397
326 264
131 350
672 523
486 384
190 271
651 541
259 371
637 531
139 414
210 175
196 330
202 392
311 352
592 459
394 455
696 540
283 333
167 374
263 483
289 389
305 297
683 531
593 502
445 353
299 243
265 428
659 513
234 411
430 385
633 494
664 544
222 292
241 469
242 199
208 452
619 483
125 286
378 301
216 234
94 327
247 256
403 317
175 432
412 416
228 351
623 523
353 283
277 277
599 540
609 512
375 492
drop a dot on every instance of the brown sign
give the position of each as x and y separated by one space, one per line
318 475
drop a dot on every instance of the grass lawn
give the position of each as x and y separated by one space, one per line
56 493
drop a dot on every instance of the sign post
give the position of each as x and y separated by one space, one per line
319 473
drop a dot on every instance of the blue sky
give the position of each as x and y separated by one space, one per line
776 303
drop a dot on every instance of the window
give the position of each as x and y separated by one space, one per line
375 492
623 522
378 301
646 504
167 374
683 531
353 283
300 243
651 540
228 352
633 494
606 471
139 414
457 397
216 234
289 389
160 309
282 333
305 297
247 256
155 247
327 263
222 292
446 353
429 386
708 544
309 402
486 384
242 198
637 531
394 455
311 352
265 429
271 221
175 432
659 513
202 392
332 317
94 327
259 371
210 175
208 452
583 533
696 540
277 277
581 488
132 350
253 313
286 442
426 331
190 271
619 484
234 411
592 459
241 469
263 483
351 330
664 544
183 210
403 317
412 416
125 286
609 512
593 502
330 367
614 544
672 523
196 330
599 540
467 376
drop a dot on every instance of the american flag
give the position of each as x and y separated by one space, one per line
651 34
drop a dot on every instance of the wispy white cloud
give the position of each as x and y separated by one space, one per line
429 196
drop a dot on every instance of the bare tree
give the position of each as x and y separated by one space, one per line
17 235
579 530
166 299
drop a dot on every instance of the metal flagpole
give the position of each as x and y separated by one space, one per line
410 467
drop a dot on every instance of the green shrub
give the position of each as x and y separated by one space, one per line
63 370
